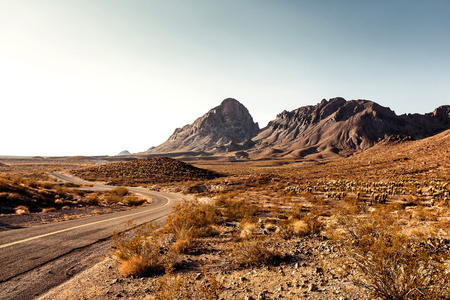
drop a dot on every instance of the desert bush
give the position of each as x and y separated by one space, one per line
4 186
237 209
49 209
248 229
47 185
253 252
191 219
133 201
32 183
22 210
296 211
113 199
92 199
182 246
176 286
59 202
390 264
71 184
308 225
140 254
119 191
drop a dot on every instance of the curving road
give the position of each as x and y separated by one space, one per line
25 252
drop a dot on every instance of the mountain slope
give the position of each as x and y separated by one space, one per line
340 126
226 127
336 127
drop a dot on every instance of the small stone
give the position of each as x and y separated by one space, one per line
296 265
262 295
312 288
248 297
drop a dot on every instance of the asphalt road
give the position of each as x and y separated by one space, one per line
23 251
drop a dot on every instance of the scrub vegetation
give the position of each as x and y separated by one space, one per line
374 225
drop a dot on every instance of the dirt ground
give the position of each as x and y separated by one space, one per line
306 272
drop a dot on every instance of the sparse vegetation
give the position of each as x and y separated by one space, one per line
140 254
145 171
375 224
392 264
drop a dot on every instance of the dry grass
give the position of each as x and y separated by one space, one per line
141 254
393 265
253 252
387 203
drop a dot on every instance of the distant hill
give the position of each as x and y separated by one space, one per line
334 127
124 152
144 171
224 128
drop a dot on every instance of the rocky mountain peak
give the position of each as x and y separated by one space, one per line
230 123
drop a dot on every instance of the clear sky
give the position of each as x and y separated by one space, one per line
95 77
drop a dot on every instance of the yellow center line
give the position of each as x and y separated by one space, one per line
80 226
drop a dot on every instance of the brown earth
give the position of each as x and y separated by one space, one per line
413 175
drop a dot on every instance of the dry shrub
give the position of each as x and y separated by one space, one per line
423 213
308 225
22 210
248 229
296 211
92 199
175 286
300 228
113 199
119 191
391 265
47 185
136 265
133 201
182 246
237 209
49 209
192 219
171 287
253 252
140 254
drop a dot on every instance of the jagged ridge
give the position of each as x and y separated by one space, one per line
345 126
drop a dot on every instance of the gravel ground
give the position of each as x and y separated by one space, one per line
307 272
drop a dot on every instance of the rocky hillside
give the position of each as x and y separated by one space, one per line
145 171
330 128
226 127
340 126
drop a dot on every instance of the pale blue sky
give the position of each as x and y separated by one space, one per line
98 77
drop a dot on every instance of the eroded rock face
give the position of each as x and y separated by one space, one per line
228 125
338 125
332 127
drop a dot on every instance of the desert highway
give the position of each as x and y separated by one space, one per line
29 257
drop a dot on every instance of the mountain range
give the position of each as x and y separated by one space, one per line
335 127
